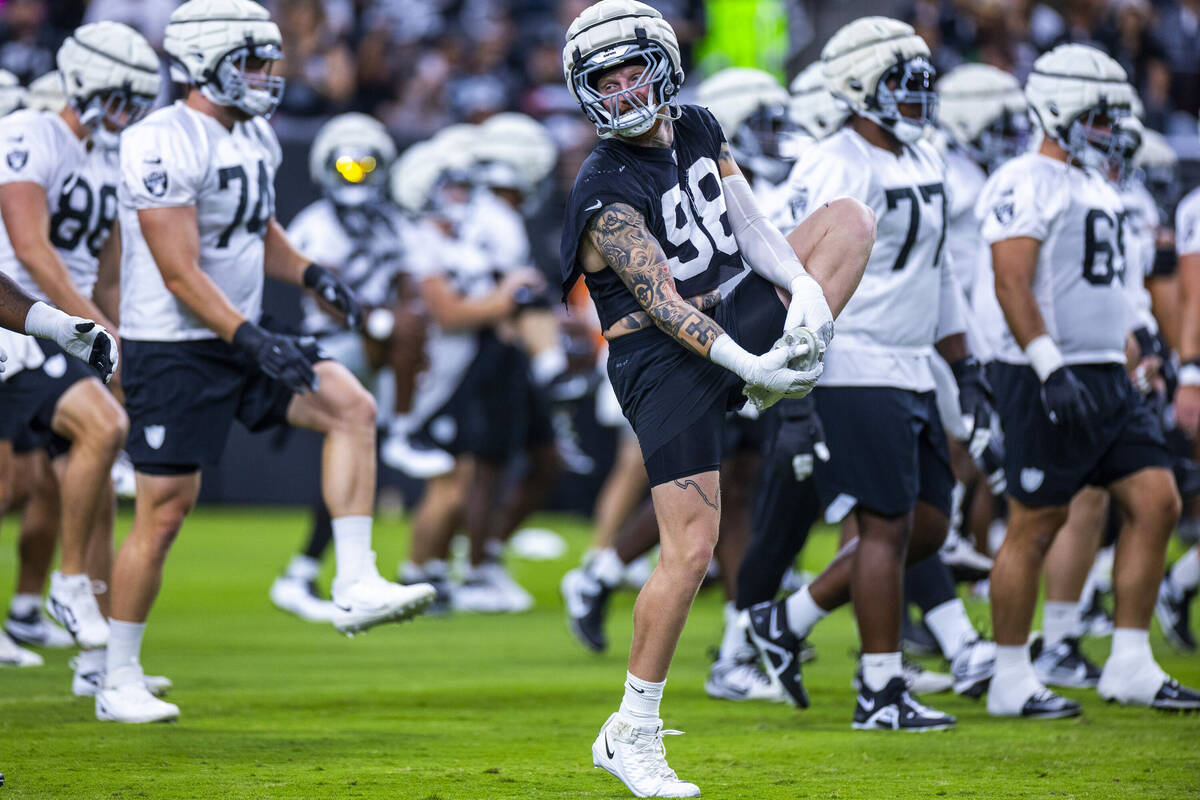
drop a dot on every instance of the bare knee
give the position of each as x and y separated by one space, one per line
1158 513
691 558
358 409
853 217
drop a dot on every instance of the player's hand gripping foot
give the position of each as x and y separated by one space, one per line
371 601
71 604
636 755
892 708
586 600
779 649
973 667
129 700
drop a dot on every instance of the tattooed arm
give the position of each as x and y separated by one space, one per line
617 238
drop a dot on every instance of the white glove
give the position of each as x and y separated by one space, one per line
768 378
79 337
809 308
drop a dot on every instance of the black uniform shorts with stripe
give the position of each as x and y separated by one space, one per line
182 398
676 400
1043 466
29 397
887 450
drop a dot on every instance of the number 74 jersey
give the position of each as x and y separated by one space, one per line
908 297
180 157
1077 216
80 181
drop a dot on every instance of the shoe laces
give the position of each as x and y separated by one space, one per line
650 753
916 708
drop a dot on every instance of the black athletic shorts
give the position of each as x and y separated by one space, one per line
28 399
1046 468
504 413
676 400
887 450
182 398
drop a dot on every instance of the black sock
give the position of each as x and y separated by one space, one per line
322 532
928 584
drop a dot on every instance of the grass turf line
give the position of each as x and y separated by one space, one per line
490 707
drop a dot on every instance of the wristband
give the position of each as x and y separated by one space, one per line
1189 373
1044 356
312 274
42 320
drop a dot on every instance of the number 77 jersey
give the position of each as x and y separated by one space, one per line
886 332
179 157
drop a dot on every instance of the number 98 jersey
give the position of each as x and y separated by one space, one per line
677 190
180 157
80 180
1079 279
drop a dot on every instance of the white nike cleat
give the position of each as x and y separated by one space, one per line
730 679
71 604
86 683
123 478
13 655
371 601
414 459
131 702
478 596
636 756
516 599
35 630
296 596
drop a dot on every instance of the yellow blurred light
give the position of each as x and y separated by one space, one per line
355 171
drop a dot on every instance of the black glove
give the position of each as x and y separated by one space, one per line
330 288
1068 403
800 440
277 356
991 464
976 401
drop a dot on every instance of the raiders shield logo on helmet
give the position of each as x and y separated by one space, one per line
17 158
156 182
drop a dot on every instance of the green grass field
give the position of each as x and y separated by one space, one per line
489 707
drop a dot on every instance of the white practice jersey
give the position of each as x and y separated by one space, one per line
368 247
498 230
1138 235
180 157
80 181
908 298
964 182
1075 214
1187 224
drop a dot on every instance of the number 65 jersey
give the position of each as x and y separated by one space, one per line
80 180
1079 279
180 157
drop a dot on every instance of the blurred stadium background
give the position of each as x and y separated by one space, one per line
419 65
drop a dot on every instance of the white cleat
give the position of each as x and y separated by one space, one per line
516 599
86 683
13 655
957 553
730 679
371 601
636 756
131 702
418 461
123 478
35 630
296 596
478 596
71 604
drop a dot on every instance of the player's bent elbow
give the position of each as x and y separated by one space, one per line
854 217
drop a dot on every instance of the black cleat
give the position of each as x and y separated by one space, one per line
1096 621
893 709
587 606
1045 704
1173 610
1063 665
917 640
1173 696
779 649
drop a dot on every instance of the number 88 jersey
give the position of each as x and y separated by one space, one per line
80 181
180 157
1079 280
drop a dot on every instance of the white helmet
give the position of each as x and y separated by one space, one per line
423 170
514 151
12 95
1079 95
984 111
1155 151
1157 165
46 93
109 74
350 158
212 40
812 107
864 56
611 33
752 108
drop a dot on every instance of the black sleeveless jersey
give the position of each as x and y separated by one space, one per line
677 190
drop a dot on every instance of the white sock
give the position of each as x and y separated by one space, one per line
1131 673
1059 620
803 613
642 699
734 645
400 424
879 668
23 604
1132 645
303 568
352 548
547 365
1185 575
124 651
1102 569
607 568
1015 680
951 626
91 661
